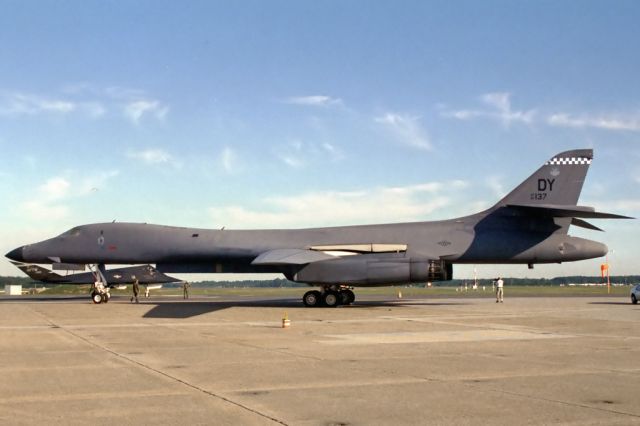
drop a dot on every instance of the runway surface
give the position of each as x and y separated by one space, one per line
228 361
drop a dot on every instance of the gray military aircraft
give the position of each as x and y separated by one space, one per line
146 275
528 226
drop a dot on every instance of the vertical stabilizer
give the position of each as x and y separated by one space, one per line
558 182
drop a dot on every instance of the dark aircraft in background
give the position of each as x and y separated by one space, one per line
528 226
146 275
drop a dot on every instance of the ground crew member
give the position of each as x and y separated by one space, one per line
185 290
499 290
136 289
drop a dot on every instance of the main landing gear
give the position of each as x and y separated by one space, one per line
329 296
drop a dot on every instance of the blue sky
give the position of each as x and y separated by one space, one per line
255 114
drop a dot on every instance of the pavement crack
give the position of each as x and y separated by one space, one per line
248 345
160 372
552 400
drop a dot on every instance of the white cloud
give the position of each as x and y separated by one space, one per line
606 122
55 106
333 151
49 200
291 154
406 129
28 104
229 160
499 100
314 100
155 157
54 188
135 110
292 161
496 186
379 205
84 99
298 154
499 108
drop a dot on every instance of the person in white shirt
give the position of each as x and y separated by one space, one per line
499 290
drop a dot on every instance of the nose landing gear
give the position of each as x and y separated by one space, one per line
102 296
100 291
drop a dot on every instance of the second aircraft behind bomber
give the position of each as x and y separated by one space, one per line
528 226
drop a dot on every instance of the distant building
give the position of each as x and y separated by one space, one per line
13 289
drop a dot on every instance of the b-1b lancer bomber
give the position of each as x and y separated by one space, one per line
528 226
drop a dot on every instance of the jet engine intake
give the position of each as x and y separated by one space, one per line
431 270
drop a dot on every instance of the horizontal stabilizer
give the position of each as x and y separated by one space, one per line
290 257
584 224
555 210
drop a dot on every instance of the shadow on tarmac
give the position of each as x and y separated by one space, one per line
191 308
610 303
177 309
50 298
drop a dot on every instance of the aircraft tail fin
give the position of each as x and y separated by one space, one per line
558 182
550 195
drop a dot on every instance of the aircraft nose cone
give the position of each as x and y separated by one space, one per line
16 254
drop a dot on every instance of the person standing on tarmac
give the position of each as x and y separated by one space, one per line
185 290
499 290
136 289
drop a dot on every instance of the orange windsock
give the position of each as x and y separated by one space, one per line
603 269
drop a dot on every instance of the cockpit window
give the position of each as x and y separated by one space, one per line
74 232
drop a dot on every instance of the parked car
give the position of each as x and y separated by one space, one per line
635 293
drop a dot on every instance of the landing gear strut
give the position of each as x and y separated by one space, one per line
329 296
100 291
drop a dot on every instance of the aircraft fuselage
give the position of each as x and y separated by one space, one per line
177 249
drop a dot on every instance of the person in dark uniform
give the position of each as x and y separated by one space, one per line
185 290
136 289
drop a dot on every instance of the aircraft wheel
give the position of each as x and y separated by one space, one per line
96 297
106 297
633 299
311 298
331 298
348 297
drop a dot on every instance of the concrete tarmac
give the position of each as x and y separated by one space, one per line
218 361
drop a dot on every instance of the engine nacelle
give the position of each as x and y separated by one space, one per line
431 270
359 270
